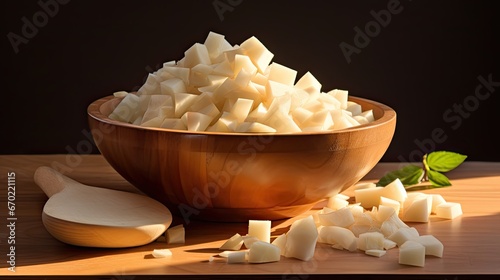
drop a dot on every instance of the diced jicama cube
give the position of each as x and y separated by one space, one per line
436 200
219 126
259 79
432 245
356 209
280 241
396 205
361 119
336 202
227 121
178 72
282 122
340 95
120 94
368 197
237 257
154 122
257 52
143 105
337 235
449 210
155 103
215 44
275 89
198 75
161 253
321 120
342 196
175 235
258 113
329 102
364 219
225 254
361 186
243 62
260 229
233 243
412 253
150 86
351 119
172 86
414 196
241 108
230 54
308 83
182 101
301 239
196 54
195 121
313 104
389 244
395 190
279 104
384 212
340 119
417 209
375 252
342 217
354 108
358 229
248 241
404 234
370 240
210 110
243 79
167 111
125 111
224 69
263 252
281 74
368 114
392 224
137 121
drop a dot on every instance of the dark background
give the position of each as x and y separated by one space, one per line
423 63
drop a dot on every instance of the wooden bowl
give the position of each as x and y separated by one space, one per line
237 177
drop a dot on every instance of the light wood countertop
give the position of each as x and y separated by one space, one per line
471 242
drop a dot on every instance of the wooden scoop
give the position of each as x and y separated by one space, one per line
89 216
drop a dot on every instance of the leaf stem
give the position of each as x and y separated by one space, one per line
425 178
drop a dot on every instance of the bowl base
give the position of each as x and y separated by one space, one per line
239 215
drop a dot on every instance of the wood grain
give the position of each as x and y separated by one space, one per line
89 216
471 241
252 176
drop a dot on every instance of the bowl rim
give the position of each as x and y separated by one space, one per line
94 111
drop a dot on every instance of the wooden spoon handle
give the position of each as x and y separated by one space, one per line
51 181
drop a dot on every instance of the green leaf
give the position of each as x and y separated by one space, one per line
438 179
409 175
444 161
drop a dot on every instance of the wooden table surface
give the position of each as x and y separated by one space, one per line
471 242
